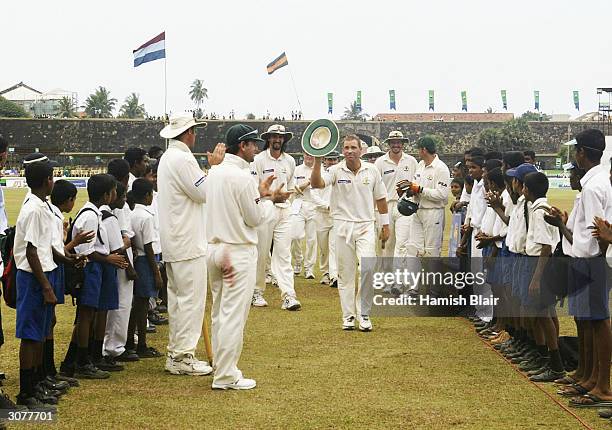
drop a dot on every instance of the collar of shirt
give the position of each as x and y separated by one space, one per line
434 163
387 158
541 202
234 160
362 167
91 206
35 200
143 207
591 173
177 144
282 156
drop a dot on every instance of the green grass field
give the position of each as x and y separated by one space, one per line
418 373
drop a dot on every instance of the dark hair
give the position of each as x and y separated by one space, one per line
478 160
119 168
62 192
100 184
469 180
148 170
129 199
134 155
3 144
529 153
589 140
513 159
37 173
154 164
154 152
497 177
493 155
140 188
492 164
121 189
458 181
537 183
475 152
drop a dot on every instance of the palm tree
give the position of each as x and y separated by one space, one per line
66 108
132 108
354 113
100 104
198 93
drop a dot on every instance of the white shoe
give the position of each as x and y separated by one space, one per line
258 299
325 279
365 324
297 269
348 323
240 384
268 278
309 275
290 303
274 281
188 365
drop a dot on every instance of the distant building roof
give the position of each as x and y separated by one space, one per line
20 91
445 117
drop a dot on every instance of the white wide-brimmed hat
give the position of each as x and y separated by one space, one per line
277 129
373 150
178 124
396 135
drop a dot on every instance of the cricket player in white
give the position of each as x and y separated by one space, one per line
303 222
430 190
233 211
274 161
394 167
183 239
356 185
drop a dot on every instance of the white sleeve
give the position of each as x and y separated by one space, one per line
251 206
191 180
441 189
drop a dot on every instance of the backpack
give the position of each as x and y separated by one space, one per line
9 276
75 276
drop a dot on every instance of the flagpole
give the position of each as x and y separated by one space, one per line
165 90
295 88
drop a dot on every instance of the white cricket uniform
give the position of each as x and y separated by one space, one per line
326 235
427 224
182 232
277 227
392 173
233 212
303 222
3 221
115 336
352 209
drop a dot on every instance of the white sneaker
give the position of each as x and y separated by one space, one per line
309 275
258 299
291 304
188 366
241 384
297 269
348 323
268 278
365 324
325 279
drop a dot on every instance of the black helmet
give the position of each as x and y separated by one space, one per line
406 207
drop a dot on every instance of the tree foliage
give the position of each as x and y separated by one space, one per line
354 113
198 93
100 104
8 109
250 116
535 116
132 108
514 135
66 108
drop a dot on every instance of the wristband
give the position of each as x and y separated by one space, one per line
383 219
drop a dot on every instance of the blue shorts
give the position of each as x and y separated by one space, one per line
144 286
34 317
109 293
506 263
589 289
59 284
516 274
89 293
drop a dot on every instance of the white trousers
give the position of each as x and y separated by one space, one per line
186 303
426 232
354 242
232 291
117 320
304 222
484 312
326 240
277 228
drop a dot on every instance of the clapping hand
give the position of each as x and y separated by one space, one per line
216 157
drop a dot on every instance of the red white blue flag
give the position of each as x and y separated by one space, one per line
152 50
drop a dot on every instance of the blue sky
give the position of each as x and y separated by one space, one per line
332 46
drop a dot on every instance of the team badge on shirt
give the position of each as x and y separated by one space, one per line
429 178
406 168
365 180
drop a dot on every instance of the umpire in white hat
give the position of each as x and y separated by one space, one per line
181 200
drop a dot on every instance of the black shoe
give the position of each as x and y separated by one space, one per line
67 369
51 383
334 284
535 372
7 404
49 397
108 364
73 382
89 371
148 352
548 375
34 404
162 309
127 355
157 319
151 329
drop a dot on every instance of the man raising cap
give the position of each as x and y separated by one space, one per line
355 186
233 211
274 161
183 239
